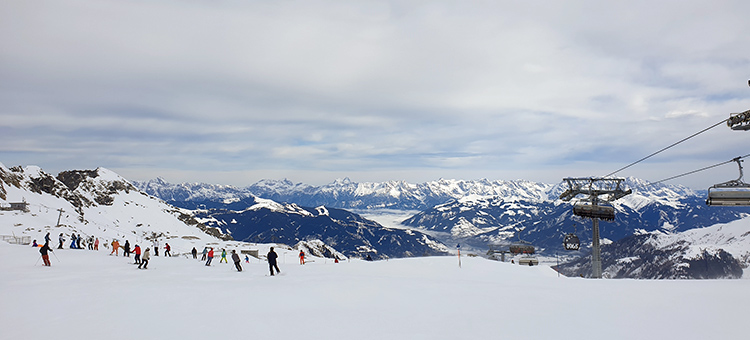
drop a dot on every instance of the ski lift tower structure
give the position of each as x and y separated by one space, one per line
593 189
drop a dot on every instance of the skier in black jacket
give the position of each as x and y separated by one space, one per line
45 255
126 248
272 256
236 259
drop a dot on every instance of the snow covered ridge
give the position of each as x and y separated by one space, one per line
96 203
717 252
346 194
342 232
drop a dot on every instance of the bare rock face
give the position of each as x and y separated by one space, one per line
73 178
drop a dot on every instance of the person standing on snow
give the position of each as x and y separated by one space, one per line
73 241
46 238
61 238
210 256
195 253
78 241
115 248
45 257
223 256
272 256
247 259
126 249
301 257
236 259
156 247
205 250
137 252
144 260
167 250
96 244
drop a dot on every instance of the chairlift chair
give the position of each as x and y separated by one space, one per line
739 121
602 212
528 261
731 193
521 248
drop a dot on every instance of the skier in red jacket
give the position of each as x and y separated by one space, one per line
210 256
137 252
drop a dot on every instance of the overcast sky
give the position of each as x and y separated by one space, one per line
231 92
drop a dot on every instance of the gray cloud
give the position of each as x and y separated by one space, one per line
372 90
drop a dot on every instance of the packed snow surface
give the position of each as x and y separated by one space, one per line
92 295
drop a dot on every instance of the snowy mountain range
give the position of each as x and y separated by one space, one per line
479 221
345 194
481 213
475 212
100 202
716 252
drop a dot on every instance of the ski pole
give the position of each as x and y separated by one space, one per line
53 253
37 260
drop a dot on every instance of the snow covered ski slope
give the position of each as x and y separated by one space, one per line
91 295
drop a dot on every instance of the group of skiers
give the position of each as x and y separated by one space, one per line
142 258
137 249
77 241
208 256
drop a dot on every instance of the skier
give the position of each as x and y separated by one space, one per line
126 249
91 243
272 256
96 244
73 241
156 247
115 248
205 250
301 257
223 255
34 244
167 250
137 252
79 239
247 259
45 257
236 259
144 260
60 238
46 238
195 253
210 256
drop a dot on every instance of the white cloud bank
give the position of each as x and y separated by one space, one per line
314 90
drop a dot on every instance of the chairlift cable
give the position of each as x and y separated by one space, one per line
692 172
666 148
